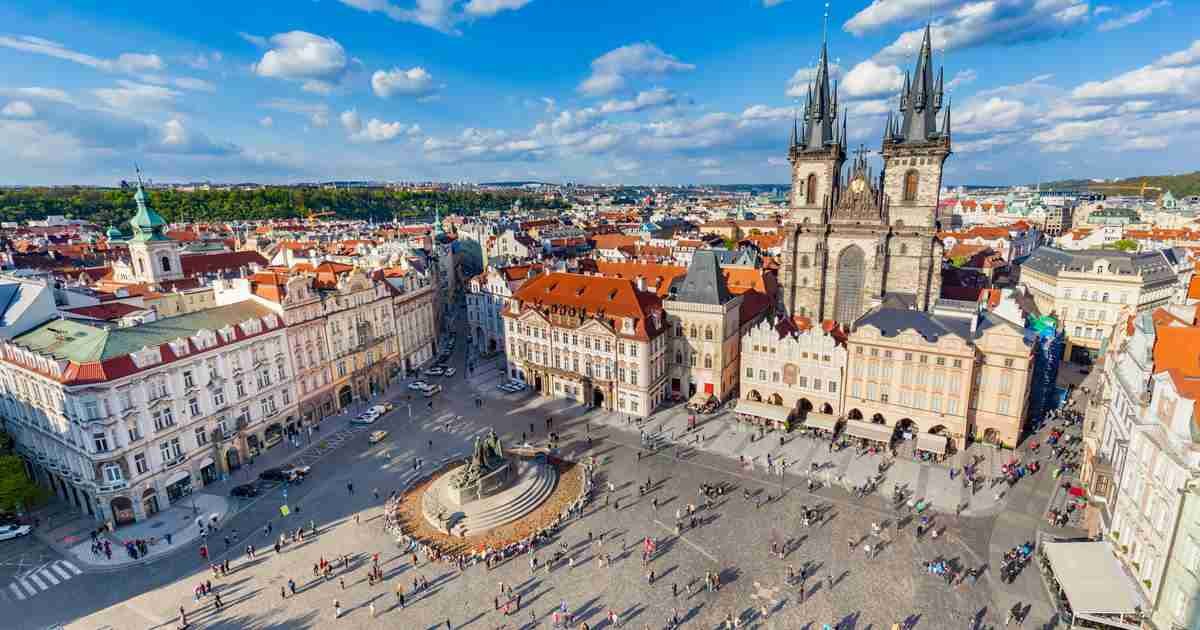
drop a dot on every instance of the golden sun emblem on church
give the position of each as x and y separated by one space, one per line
857 185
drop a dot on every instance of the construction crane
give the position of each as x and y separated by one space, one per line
1141 189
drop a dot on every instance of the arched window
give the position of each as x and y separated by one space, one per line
910 185
810 190
692 332
708 333
708 361
804 260
692 360
903 249
141 266
166 263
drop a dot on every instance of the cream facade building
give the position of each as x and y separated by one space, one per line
963 377
704 331
124 422
598 341
1089 290
792 366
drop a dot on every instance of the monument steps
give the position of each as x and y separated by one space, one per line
507 509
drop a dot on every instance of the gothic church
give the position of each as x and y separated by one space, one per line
854 239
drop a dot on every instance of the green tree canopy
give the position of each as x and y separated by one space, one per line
1126 245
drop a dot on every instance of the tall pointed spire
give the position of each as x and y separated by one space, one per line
822 110
946 120
795 142
922 96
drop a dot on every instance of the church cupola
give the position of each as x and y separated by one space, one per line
153 255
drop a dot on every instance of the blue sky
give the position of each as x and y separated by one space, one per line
653 91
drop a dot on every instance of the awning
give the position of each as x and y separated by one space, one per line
774 413
869 431
932 443
1092 578
175 478
207 461
818 420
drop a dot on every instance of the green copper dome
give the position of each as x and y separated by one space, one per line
147 224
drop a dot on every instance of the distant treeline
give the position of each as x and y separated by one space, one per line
1184 185
106 207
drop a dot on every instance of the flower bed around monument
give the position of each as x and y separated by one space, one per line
407 512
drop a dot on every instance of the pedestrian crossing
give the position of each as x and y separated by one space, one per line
39 580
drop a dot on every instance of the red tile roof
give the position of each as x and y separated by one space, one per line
595 296
197 264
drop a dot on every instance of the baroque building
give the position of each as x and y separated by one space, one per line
854 239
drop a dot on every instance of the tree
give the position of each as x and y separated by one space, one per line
1126 245
958 262
17 491
730 244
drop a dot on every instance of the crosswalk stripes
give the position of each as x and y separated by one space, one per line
41 580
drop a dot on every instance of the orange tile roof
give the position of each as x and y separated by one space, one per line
614 241
595 296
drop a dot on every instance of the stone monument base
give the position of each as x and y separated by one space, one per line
529 483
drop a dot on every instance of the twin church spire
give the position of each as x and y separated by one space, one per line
921 102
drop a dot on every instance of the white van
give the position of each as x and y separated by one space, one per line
433 390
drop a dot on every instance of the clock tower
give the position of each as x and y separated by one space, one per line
154 257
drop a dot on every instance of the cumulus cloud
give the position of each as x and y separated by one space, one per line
649 99
318 63
979 116
1187 57
613 70
1129 19
177 138
191 83
130 63
883 13
415 82
258 41
981 22
266 121
872 80
18 109
374 130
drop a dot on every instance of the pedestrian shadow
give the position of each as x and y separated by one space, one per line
631 613
663 502
911 621
844 574
691 613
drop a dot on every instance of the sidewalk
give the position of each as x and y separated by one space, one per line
179 521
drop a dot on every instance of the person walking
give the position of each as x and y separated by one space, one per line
350 487
371 607
337 609
292 586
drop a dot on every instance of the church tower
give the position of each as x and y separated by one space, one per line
817 152
154 256
914 151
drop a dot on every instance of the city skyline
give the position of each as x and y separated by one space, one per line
527 89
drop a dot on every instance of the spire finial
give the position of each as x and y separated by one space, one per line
825 26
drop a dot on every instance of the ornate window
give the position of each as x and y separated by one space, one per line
810 190
850 284
910 185
166 263
708 333
804 260
708 361
903 249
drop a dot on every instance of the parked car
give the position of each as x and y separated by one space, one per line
366 417
448 372
418 386
377 436
8 532
279 474
433 391
381 409
297 470
433 371
244 490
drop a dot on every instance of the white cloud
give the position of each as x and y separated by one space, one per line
131 96
374 130
129 63
984 22
1145 82
488 8
798 84
440 15
649 99
962 77
176 138
614 69
1146 143
1187 57
317 62
772 3
1130 19
762 112
40 93
881 13
980 116
18 109
190 83
266 121
872 80
257 41
551 104
412 82
876 107
317 113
